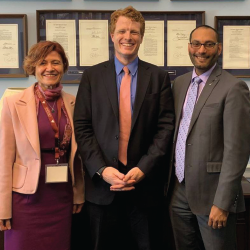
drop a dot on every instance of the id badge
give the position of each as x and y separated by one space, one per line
56 173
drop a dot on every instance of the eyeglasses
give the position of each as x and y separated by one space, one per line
197 45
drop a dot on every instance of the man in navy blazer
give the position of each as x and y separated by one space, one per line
217 146
124 202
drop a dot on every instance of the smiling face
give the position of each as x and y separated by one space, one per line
49 71
203 58
127 39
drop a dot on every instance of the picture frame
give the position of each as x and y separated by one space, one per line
13 45
206 0
121 0
234 35
38 0
73 75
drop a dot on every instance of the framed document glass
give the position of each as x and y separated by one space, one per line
123 0
13 45
84 34
234 34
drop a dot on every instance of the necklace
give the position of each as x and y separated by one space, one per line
52 108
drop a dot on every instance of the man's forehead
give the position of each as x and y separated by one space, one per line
124 19
204 34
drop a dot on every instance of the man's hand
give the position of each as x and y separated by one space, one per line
217 218
132 177
5 225
134 174
115 179
77 208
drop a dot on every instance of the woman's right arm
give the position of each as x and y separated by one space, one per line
5 225
7 158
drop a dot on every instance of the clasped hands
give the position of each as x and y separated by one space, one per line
122 182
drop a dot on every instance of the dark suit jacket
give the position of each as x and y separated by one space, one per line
218 141
97 129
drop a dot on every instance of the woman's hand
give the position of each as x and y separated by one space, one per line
77 208
5 225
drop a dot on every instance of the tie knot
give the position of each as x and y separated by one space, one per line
126 70
197 80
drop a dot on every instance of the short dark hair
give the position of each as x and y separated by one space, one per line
205 27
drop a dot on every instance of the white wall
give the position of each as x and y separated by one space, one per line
211 8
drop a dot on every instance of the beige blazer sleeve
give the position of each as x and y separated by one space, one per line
7 158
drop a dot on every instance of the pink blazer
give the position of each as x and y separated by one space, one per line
20 159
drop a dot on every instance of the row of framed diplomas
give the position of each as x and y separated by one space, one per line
85 38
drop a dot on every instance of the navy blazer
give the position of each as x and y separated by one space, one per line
96 122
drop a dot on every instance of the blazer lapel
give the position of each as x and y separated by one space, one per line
26 111
210 84
109 80
143 80
69 102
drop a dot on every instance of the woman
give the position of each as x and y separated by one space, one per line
38 151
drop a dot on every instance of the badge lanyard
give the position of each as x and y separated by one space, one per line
53 124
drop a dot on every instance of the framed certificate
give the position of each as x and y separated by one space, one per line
13 45
234 34
207 0
84 34
122 0
40 0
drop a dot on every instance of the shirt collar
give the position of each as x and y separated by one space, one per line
133 66
204 76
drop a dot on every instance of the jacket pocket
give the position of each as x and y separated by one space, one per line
19 175
214 167
212 105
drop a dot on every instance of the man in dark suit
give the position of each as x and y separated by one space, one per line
211 148
124 148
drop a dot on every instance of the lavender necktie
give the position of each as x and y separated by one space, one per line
183 129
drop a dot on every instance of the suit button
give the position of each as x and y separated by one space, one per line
114 159
189 144
116 137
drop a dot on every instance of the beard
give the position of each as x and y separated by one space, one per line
206 64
